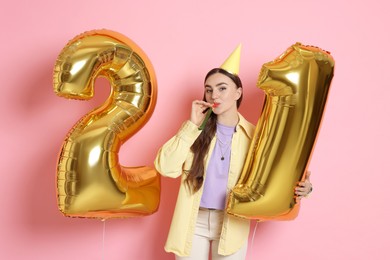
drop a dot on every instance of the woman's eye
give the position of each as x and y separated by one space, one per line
209 91
222 88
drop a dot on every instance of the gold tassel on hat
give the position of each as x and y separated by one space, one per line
232 64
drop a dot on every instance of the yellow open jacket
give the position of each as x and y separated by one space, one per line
174 157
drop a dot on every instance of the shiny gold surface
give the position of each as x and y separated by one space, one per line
90 180
296 85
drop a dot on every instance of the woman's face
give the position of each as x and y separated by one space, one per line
221 91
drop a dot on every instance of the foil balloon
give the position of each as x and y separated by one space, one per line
90 180
296 85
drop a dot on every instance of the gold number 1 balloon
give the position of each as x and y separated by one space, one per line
296 86
90 180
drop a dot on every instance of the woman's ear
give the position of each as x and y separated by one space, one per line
238 93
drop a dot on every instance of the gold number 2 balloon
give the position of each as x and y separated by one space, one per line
90 180
296 86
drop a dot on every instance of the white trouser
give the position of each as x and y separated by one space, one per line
207 232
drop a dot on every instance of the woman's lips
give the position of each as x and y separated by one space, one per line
215 105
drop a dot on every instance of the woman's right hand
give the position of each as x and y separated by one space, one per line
197 115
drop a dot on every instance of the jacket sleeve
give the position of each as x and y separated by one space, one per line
172 155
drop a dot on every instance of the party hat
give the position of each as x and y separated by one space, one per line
232 64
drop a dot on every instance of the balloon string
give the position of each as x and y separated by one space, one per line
253 238
104 235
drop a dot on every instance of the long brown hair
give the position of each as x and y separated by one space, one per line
202 144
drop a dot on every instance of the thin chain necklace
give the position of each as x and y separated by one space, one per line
220 144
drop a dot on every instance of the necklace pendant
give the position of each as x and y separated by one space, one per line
222 158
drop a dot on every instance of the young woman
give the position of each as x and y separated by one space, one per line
209 162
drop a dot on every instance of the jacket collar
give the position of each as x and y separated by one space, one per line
245 125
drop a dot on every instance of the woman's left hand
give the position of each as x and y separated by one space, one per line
304 187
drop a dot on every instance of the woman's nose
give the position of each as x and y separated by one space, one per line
215 95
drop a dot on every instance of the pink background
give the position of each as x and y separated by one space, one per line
347 215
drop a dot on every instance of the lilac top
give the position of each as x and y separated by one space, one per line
214 190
